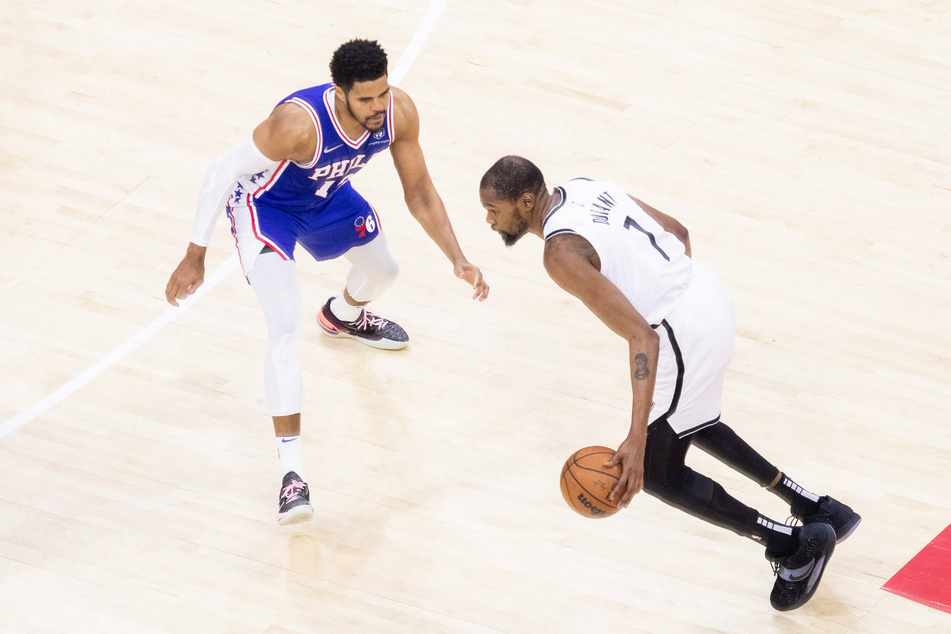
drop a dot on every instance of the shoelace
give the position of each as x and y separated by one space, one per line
812 549
369 320
292 491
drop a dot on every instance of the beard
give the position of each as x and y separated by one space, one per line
366 122
509 238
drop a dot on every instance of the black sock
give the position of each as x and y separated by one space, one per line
800 501
781 540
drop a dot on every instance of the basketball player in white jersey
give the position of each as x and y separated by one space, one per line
631 266
288 184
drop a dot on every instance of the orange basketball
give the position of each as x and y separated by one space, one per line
586 482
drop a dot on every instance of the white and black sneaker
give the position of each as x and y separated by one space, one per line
294 501
798 574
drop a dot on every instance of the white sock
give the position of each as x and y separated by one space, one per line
343 310
288 448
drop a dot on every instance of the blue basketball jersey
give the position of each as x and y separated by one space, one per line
311 203
301 188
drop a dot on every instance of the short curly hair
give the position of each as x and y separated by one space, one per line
511 176
357 60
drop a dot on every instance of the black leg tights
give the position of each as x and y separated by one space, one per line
667 478
722 443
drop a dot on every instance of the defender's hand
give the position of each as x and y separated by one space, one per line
473 276
188 275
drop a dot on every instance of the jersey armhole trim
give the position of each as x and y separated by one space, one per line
559 232
313 116
390 124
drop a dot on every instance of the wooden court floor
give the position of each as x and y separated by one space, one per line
807 147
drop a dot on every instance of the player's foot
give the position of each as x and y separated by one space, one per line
798 574
837 515
371 329
295 501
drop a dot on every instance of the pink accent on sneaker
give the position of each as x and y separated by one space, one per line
369 320
325 323
292 491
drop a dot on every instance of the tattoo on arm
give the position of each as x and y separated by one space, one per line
641 371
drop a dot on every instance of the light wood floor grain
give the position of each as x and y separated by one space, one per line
807 147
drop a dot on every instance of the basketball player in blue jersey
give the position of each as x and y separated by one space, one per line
631 266
288 184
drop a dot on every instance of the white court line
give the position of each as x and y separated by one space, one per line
395 77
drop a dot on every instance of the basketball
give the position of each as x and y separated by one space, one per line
586 482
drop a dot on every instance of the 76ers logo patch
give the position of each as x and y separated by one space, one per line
363 226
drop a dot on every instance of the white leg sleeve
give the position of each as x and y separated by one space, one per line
275 282
374 270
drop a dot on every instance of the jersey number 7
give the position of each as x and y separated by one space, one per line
630 222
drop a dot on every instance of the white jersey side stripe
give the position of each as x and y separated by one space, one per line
257 233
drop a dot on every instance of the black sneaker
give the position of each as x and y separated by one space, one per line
798 574
294 501
837 515
371 329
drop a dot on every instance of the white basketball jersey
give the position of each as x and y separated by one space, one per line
648 264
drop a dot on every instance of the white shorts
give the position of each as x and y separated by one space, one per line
696 344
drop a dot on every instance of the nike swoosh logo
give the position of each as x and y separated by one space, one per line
795 576
286 440
331 149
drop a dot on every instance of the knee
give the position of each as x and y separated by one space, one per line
283 329
386 272
667 483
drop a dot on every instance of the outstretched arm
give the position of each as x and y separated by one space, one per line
574 265
421 196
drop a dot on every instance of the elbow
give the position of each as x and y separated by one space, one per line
684 236
646 338
416 201
681 232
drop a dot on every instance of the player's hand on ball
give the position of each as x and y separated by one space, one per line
473 275
631 458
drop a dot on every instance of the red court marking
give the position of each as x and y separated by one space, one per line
927 577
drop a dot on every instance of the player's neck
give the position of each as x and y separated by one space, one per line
544 205
351 127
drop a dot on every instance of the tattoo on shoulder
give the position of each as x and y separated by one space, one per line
641 371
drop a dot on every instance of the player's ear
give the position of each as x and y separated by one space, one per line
526 201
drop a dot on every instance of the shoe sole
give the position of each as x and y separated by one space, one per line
380 344
298 514
848 532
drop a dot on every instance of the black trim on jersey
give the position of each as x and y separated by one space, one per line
560 232
564 198
679 386
694 430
